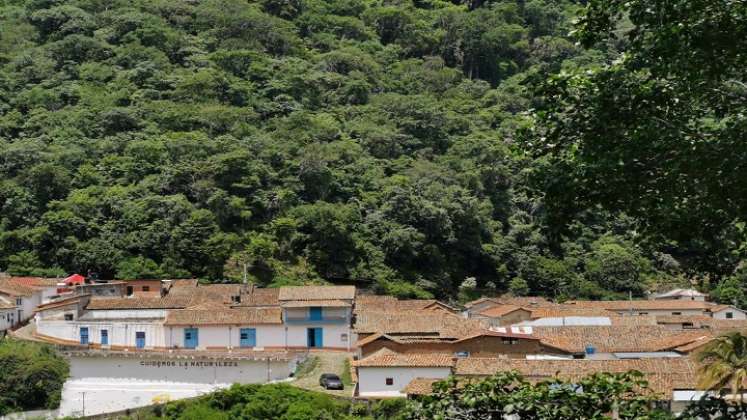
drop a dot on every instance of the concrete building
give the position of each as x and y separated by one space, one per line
207 317
386 373
103 382
7 316
681 294
663 307
27 293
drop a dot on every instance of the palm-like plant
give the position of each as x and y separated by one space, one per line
723 364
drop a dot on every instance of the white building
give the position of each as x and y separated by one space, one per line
103 382
205 318
27 293
386 373
663 307
681 294
7 316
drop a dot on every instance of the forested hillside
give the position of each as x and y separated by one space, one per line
379 142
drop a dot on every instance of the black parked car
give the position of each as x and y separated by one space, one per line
330 381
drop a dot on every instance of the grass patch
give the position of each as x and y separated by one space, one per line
345 377
306 367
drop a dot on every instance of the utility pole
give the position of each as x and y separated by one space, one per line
630 298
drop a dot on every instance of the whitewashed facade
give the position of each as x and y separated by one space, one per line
390 381
112 382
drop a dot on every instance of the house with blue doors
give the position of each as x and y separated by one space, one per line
205 317
318 317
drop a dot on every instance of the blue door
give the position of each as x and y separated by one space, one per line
190 338
248 337
84 335
315 313
140 339
104 337
314 337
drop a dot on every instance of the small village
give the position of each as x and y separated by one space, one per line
185 338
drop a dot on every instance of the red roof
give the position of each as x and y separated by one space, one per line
74 279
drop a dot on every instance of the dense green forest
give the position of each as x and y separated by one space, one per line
31 376
401 145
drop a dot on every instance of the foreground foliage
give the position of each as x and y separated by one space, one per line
31 376
656 131
507 394
593 397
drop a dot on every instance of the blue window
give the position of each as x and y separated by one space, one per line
104 337
191 339
315 313
140 339
314 337
248 337
84 335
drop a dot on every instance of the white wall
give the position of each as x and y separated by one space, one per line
228 336
47 293
737 314
332 335
327 312
7 319
115 383
372 380
688 312
120 333
125 314
185 370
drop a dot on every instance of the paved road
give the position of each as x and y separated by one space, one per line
329 362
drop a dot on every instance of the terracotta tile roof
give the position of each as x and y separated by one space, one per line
633 320
416 322
496 334
244 316
696 320
664 375
168 302
207 296
183 282
73 300
370 339
624 305
307 303
524 301
559 310
435 339
220 293
257 296
726 325
25 286
41 282
317 293
500 310
616 338
388 358
695 345
719 308
420 386
481 300
17 290
390 303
